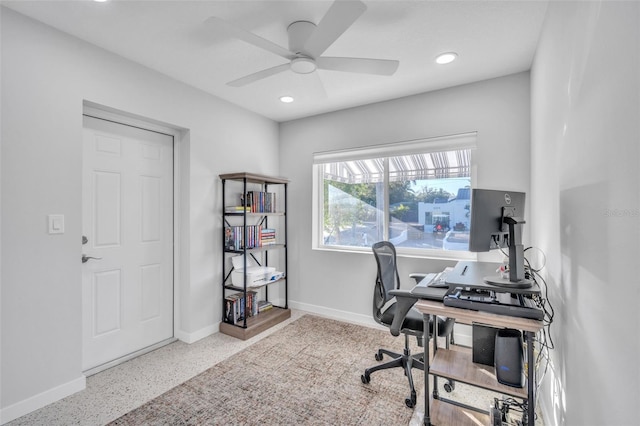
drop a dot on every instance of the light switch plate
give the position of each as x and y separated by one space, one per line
56 224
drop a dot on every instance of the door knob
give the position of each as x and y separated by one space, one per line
86 258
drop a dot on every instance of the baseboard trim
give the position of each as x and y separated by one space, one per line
40 400
198 335
351 317
461 332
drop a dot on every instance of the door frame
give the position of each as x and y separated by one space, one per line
180 137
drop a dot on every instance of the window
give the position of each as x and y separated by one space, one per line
414 194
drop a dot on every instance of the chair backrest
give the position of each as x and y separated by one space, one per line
387 278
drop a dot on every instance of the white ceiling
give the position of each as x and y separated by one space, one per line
492 39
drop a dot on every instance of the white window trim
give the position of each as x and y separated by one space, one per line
441 143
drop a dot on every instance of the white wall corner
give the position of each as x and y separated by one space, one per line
190 338
462 335
43 399
366 320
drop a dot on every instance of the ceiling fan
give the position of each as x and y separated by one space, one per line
307 42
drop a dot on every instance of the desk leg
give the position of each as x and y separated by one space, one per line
425 344
531 379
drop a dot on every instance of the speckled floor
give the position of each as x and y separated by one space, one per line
116 391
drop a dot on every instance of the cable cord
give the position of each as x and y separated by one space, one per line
543 337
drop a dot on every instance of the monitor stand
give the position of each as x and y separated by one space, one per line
516 258
498 281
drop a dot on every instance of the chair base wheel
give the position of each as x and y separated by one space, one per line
366 378
378 356
449 386
411 401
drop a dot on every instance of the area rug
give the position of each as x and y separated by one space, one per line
306 373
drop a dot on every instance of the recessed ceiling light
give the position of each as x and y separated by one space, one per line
286 99
100 1
446 58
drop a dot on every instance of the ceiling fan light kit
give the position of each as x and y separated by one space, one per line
303 65
446 58
307 42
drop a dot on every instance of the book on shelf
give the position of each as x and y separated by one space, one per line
232 237
267 236
237 209
255 235
260 202
237 307
264 305
230 311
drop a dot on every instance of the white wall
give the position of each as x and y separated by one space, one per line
46 76
341 284
585 207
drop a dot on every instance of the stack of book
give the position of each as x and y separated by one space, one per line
267 236
264 305
237 307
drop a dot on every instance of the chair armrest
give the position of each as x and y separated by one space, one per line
418 276
404 302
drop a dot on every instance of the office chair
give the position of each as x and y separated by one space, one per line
399 317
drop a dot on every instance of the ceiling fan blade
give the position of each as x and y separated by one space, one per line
259 75
359 65
340 16
248 37
316 86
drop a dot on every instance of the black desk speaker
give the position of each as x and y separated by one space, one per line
509 357
484 344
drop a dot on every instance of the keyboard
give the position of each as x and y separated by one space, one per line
436 280
481 301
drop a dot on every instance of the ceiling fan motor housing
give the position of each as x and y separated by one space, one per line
299 33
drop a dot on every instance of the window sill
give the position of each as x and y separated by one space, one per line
408 253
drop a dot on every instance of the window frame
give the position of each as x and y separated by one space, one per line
384 151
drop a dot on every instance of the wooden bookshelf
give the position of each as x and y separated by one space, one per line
255 287
244 229
256 324
254 178
258 249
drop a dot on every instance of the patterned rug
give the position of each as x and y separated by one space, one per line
306 373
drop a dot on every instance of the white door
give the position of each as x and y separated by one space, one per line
127 219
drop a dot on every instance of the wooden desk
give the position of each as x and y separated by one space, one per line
458 366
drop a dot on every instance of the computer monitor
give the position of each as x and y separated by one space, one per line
497 218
